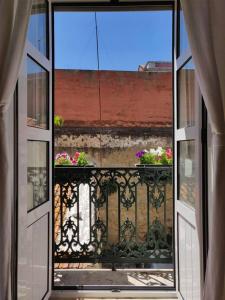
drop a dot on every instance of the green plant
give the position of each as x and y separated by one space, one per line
165 160
147 159
62 159
58 121
79 159
82 160
158 156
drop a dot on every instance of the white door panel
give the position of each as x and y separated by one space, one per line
188 155
189 272
35 159
38 257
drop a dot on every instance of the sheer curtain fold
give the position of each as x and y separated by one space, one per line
205 23
14 17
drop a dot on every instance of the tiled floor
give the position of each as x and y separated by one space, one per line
116 299
66 295
141 278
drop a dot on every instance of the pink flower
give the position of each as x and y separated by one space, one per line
73 161
63 155
74 158
76 155
169 153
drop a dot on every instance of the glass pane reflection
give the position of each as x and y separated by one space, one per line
37 95
183 45
37 173
37 30
187 172
187 92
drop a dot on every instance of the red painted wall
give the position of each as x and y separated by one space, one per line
140 99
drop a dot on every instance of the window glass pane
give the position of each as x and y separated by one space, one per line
37 30
186 172
183 37
187 90
37 173
37 95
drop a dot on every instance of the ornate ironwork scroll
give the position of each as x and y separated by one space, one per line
113 215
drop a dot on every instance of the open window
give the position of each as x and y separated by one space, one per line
113 212
113 106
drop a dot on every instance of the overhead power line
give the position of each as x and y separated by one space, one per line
99 81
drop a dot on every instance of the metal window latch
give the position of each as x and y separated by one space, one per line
116 291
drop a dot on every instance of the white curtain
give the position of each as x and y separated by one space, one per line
14 16
205 22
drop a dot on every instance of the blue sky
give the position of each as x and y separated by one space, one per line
126 39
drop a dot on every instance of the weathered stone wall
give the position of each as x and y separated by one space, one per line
111 147
131 111
113 114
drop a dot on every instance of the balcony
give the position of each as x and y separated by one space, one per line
113 219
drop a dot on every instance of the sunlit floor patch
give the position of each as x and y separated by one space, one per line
148 278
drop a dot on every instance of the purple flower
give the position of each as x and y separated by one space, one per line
139 154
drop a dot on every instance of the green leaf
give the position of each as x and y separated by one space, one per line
58 121
82 160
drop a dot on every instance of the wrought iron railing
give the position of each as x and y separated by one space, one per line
113 215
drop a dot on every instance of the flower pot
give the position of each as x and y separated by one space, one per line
74 173
153 173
